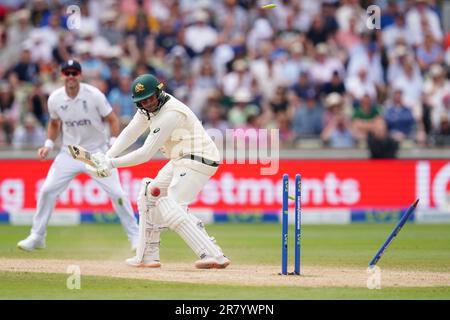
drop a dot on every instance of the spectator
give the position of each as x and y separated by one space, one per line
109 29
307 118
240 77
192 95
62 50
381 145
29 135
93 67
200 35
347 10
242 108
39 12
51 83
350 38
113 80
120 100
369 58
303 86
334 104
9 113
279 101
360 85
366 117
337 126
177 79
88 19
324 65
25 70
389 14
232 19
297 63
317 33
338 133
395 32
429 53
37 102
335 85
140 24
214 118
328 13
411 84
421 19
287 135
436 88
47 36
267 73
248 132
442 130
401 55
261 32
167 37
301 19
399 119
17 34
206 78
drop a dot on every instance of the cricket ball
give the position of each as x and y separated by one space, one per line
155 191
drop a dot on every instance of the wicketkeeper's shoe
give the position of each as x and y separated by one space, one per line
212 263
144 263
31 243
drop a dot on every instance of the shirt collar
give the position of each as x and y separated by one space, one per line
67 98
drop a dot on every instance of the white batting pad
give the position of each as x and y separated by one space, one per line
178 220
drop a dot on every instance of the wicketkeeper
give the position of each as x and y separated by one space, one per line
194 158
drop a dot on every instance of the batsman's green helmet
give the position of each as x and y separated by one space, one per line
144 87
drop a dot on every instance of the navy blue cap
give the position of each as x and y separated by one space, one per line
71 64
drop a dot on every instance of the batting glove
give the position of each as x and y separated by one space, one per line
103 165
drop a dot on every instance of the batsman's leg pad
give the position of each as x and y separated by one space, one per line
177 220
150 224
201 226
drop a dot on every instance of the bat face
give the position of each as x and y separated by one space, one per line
81 154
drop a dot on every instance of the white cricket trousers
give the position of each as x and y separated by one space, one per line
62 171
181 183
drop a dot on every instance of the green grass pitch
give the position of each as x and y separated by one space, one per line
422 248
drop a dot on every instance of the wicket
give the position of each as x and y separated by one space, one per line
394 233
285 223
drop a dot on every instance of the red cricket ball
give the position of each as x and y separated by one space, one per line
155 191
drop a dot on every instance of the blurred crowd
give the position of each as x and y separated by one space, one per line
312 69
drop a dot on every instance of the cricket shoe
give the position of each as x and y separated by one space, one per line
134 245
143 263
212 263
150 259
31 243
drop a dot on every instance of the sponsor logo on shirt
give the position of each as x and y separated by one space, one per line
78 123
64 107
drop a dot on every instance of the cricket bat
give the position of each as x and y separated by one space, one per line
81 154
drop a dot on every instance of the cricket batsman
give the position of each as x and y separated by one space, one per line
163 201
82 113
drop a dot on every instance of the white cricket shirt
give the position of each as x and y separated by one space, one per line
175 130
82 117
